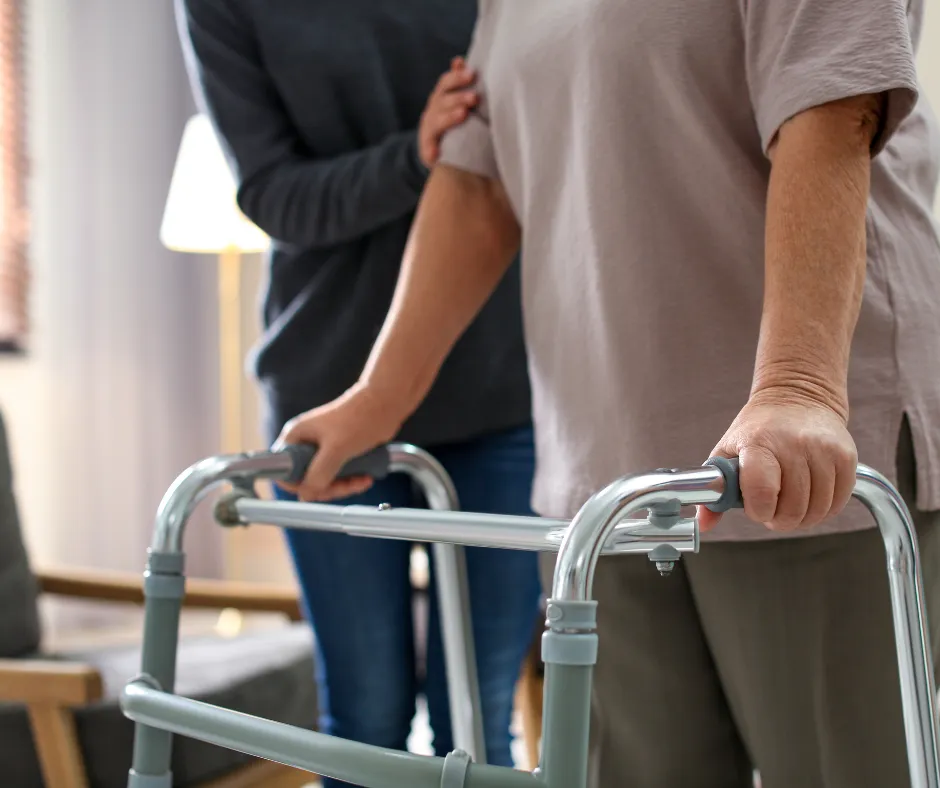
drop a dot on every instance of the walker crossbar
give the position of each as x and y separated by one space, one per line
464 528
372 767
569 646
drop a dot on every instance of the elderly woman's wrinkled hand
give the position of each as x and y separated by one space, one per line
798 460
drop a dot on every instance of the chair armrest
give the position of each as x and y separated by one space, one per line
213 594
247 597
88 584
41 681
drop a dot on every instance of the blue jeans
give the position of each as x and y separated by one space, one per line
359 600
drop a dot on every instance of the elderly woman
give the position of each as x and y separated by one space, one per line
725 211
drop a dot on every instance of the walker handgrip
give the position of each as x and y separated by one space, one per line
373 464
731 497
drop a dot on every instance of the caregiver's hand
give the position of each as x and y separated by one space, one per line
351 425
448 106
798 460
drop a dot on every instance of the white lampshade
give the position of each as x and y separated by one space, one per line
201 214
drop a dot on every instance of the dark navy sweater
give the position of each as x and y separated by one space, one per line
317 103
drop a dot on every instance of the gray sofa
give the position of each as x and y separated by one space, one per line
267 674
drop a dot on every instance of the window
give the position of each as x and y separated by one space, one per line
14 241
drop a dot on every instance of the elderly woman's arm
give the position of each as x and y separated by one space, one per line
462 242
797 457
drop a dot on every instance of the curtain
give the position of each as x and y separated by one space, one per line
119 392
13 216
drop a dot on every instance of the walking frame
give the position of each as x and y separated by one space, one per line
603 526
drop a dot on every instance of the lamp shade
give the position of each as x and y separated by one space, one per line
201 214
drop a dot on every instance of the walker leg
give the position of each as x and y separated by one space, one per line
915 662
463 687
164 587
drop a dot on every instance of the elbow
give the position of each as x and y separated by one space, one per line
482 202
275 204
828 149
266 198
249 197
846 128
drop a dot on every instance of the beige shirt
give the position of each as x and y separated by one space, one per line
631 138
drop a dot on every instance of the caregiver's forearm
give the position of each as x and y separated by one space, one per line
816 251
310 201
463 240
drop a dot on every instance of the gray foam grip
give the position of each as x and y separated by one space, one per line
373 464
731 498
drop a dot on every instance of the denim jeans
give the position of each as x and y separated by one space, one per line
358 599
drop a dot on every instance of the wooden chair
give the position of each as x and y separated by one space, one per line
529 697
60 725
53 688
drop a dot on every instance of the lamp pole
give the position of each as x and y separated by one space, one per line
230 390
230 350
201 216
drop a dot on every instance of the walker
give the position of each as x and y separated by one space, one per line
603 526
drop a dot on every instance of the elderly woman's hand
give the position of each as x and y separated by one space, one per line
798 460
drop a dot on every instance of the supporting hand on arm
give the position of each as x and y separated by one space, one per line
798 459
293 193
463 240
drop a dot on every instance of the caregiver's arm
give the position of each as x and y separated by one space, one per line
295 194
462 242
797 457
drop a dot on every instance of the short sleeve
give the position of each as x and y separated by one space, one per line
469 146
804 53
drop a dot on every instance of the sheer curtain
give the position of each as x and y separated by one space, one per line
13 218
119 391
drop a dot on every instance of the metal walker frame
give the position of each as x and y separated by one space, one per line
569 645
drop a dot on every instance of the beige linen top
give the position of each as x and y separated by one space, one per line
631 138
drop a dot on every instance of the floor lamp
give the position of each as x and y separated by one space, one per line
202 217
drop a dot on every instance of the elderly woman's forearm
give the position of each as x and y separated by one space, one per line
816 250
462 242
